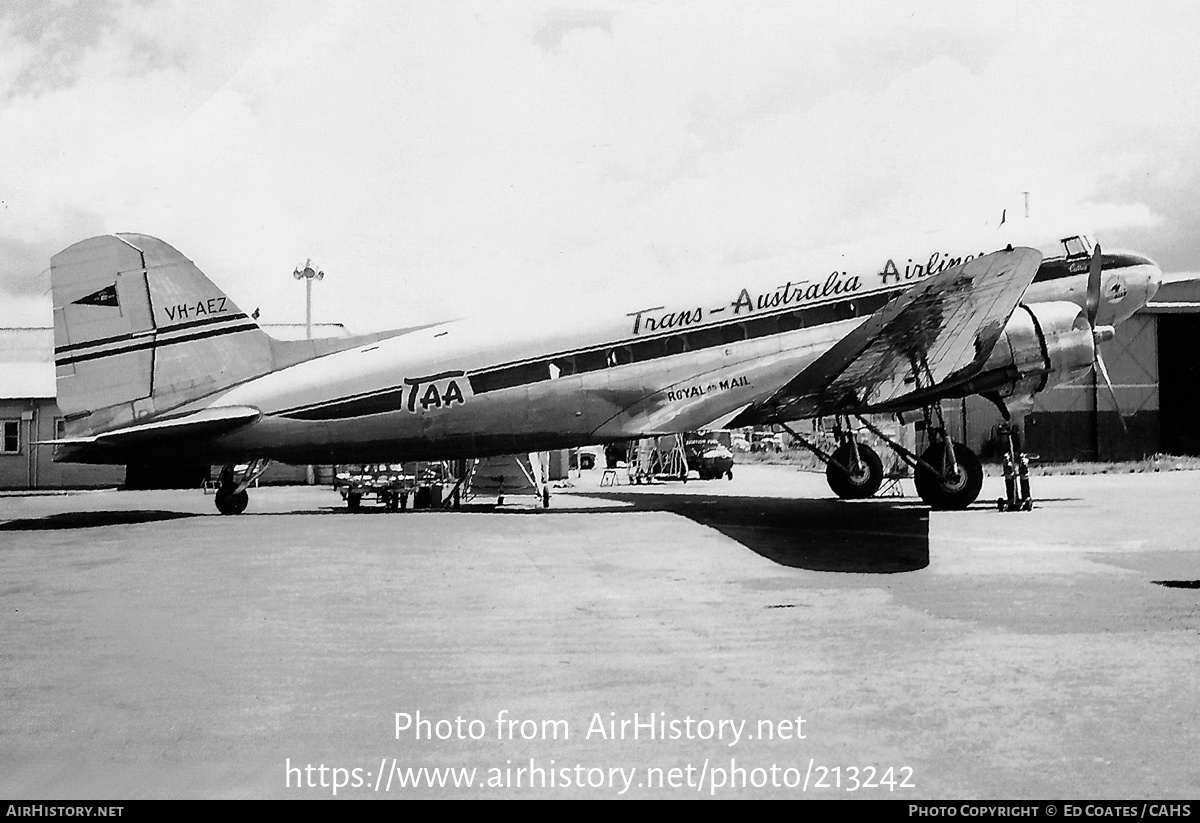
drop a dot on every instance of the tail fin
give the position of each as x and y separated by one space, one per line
138 330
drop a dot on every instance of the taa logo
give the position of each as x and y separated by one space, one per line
434 392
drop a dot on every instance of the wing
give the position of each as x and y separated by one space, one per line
936 334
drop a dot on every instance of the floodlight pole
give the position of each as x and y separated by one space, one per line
308 273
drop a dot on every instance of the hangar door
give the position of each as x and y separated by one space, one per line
1179 383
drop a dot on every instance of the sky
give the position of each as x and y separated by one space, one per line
442 159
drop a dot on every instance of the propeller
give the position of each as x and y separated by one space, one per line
1093 286
1100 334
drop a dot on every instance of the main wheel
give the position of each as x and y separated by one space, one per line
955 492
850 484
230 503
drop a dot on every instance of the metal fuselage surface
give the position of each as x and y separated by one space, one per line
497 385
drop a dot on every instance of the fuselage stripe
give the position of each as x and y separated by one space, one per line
154 343
120 338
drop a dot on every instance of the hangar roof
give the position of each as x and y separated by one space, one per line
27 364
1178 294
27 356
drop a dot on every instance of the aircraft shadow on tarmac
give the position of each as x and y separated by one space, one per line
89 520
869 537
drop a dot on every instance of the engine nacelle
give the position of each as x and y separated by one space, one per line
1044 344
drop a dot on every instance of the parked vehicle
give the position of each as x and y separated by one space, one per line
766 442
392 484
708 456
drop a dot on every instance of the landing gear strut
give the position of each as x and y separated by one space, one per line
232 497
948 475
853 471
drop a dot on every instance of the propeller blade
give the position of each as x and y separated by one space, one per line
1111 391
1093 286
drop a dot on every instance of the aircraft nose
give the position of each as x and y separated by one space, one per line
1146 270
1154 277
1128 283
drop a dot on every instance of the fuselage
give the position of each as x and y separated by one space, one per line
495 385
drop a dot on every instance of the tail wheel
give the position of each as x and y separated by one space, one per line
854 484
230 503
954 491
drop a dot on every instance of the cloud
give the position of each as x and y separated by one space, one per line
449 158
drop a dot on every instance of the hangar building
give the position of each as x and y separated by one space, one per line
1154 379
28 413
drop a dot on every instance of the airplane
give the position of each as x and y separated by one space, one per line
154 362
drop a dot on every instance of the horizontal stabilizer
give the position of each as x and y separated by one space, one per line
209 422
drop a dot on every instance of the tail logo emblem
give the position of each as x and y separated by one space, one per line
107 296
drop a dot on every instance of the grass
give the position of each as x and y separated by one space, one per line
804 461
1155 463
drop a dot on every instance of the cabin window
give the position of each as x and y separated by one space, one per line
762 327
510 377
733 333
565 366
791 321
820 315
619 356
648 349
590 361
704 338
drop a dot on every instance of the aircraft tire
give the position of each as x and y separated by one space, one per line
230 503
956 494
850 486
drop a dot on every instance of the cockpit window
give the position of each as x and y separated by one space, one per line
1076 246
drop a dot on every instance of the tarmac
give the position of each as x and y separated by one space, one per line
745 638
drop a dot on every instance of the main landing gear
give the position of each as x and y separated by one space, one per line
948 475
232 497
854 471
